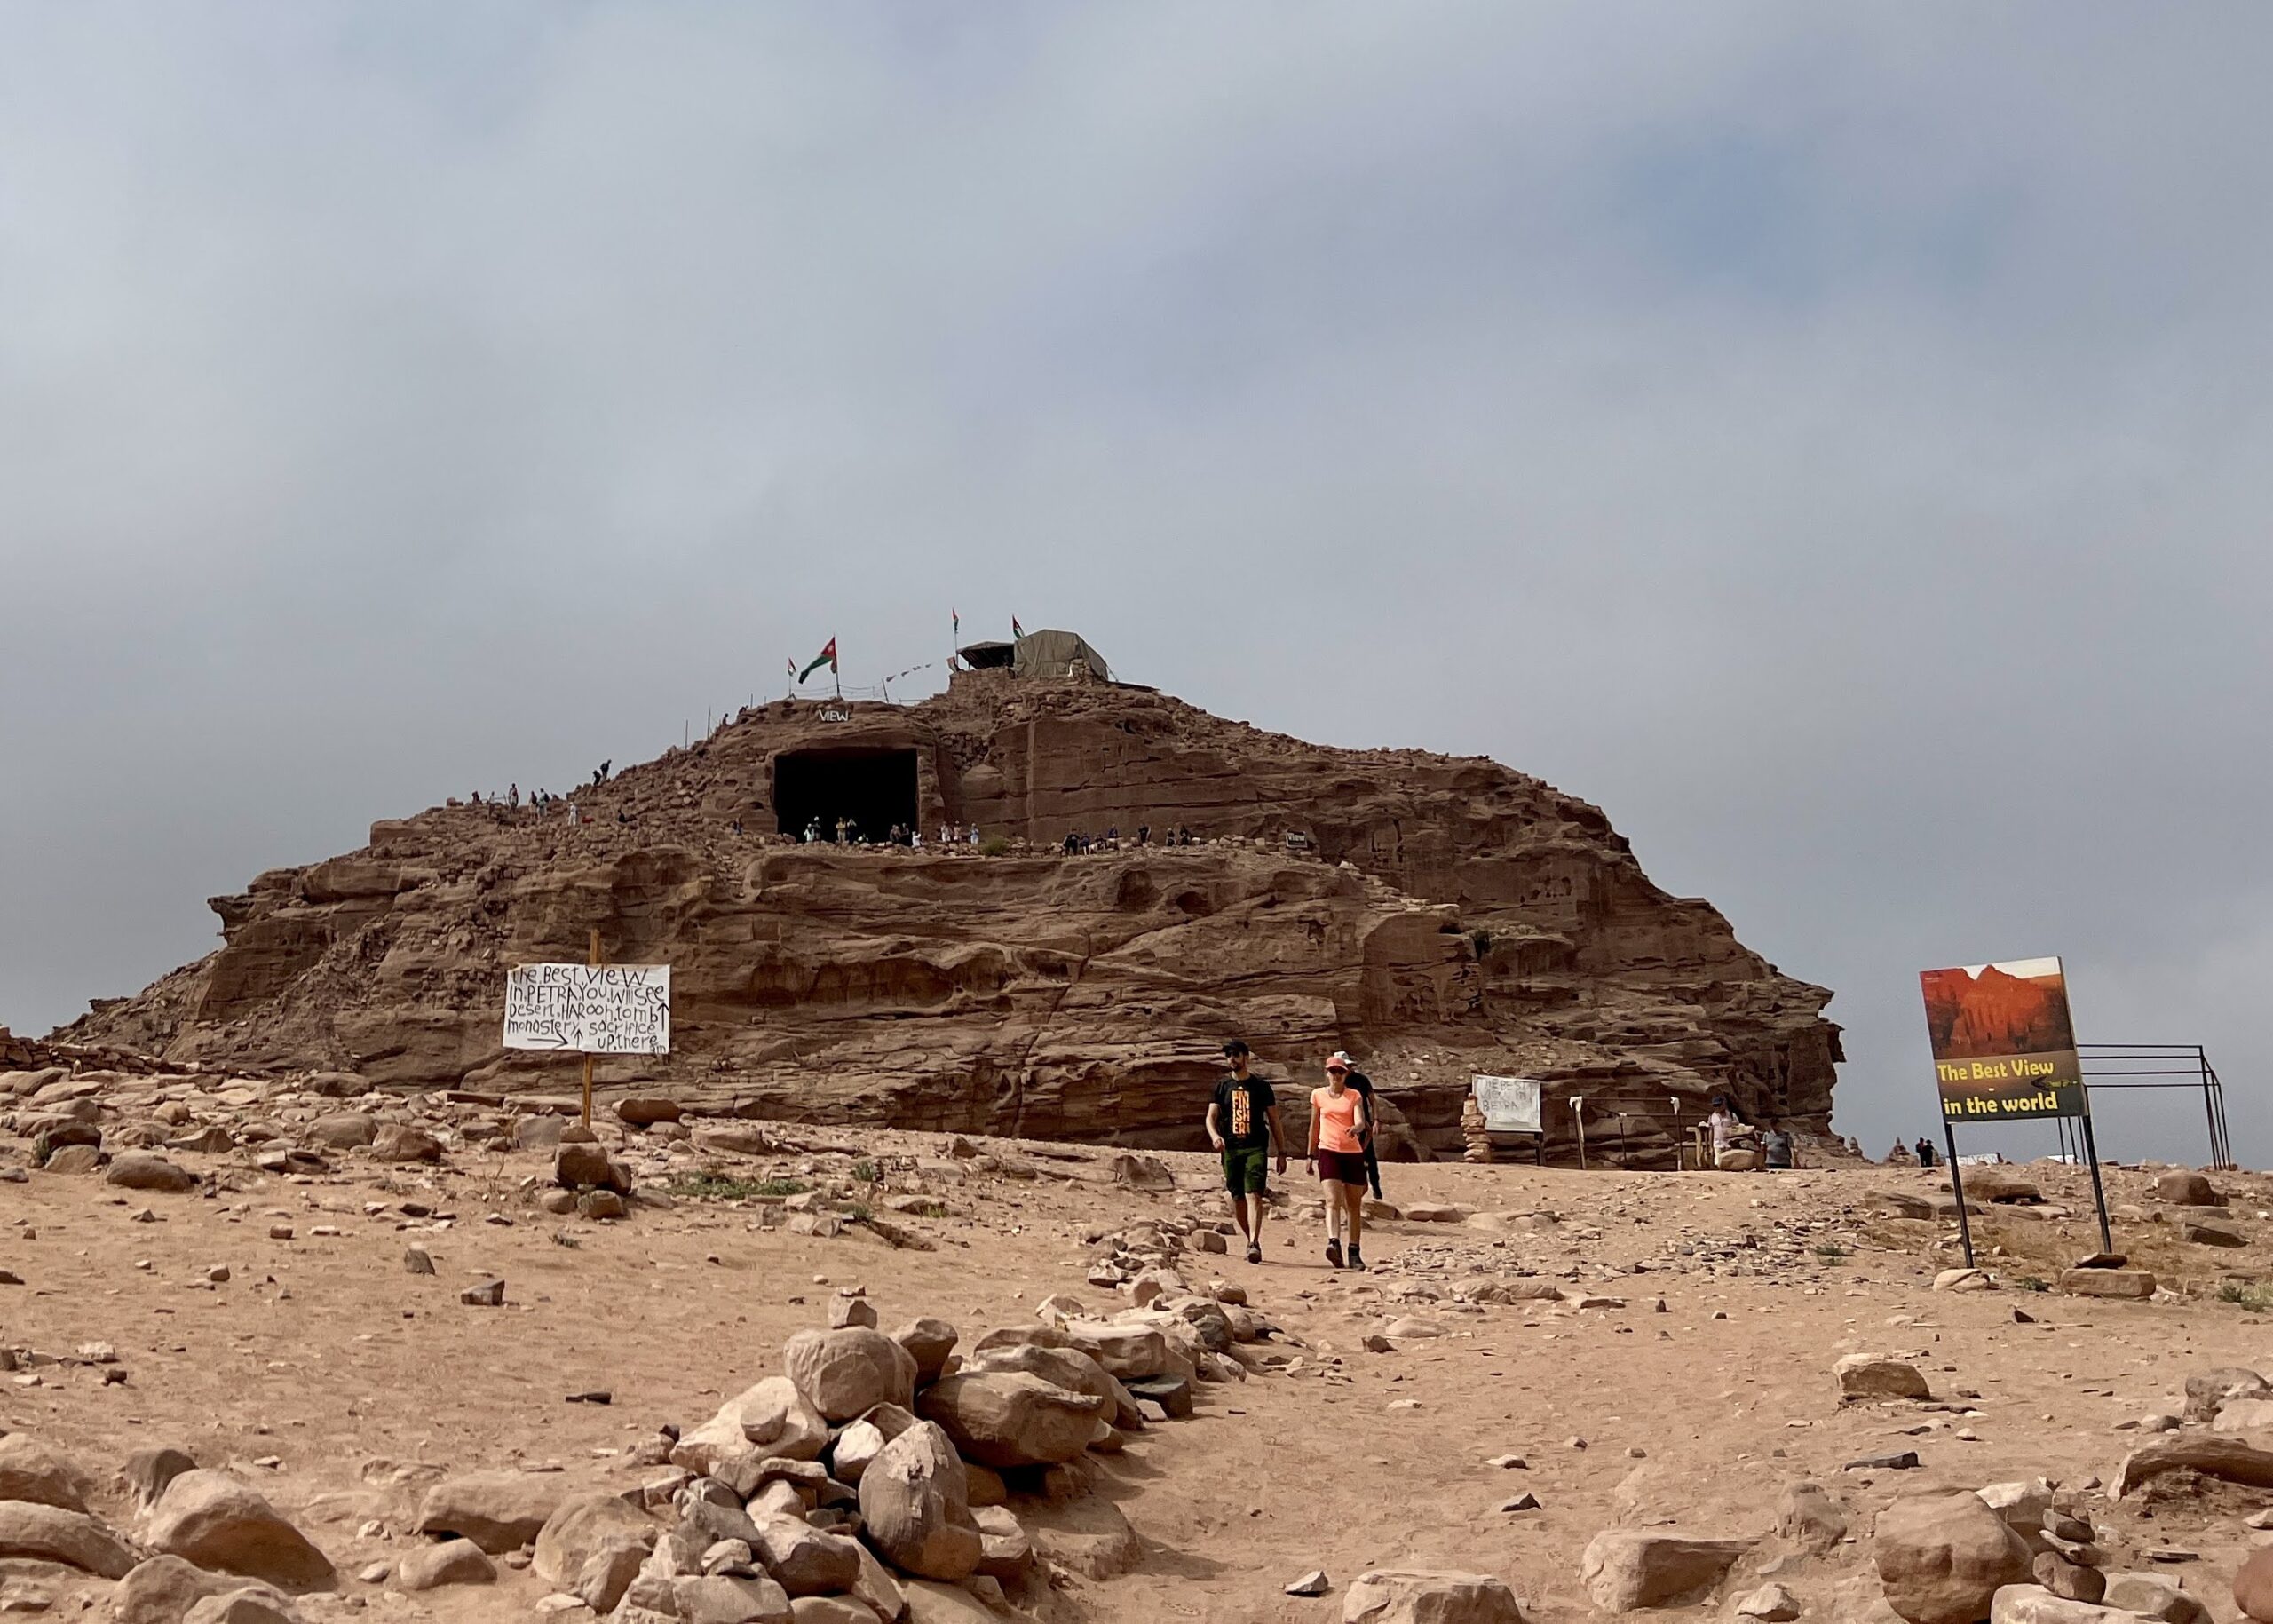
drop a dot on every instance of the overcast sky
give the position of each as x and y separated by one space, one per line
1832 439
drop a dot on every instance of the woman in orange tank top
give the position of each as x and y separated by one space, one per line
1339 1123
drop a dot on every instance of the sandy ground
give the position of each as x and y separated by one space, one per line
344 1383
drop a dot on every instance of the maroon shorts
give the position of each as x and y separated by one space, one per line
1341 1167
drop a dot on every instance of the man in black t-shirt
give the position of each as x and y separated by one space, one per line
1243 1126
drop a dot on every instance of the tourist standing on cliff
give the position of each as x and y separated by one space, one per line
1339 1124
1243 1126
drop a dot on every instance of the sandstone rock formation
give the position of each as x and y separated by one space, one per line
1436 916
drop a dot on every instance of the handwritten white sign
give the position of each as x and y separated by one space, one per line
1510 1105
589 1008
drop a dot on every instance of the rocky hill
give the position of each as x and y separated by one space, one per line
1436 916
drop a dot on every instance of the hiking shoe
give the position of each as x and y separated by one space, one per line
1255 1251
1356 1261
1334 1253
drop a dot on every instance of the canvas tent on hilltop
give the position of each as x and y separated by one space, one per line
1037 654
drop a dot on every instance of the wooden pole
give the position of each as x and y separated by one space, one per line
593 959
1579 1115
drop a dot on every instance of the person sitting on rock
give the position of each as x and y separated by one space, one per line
1243 1126
1731 1133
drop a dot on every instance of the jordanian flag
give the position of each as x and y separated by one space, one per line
827 657
1016 630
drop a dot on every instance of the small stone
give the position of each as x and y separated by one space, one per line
1525 1502
488 1294
1772 1603
1312 1583
416 1261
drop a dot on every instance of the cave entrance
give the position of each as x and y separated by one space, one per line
869 789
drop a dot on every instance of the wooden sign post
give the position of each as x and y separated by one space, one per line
593 959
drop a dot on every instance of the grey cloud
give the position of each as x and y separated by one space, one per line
1831 440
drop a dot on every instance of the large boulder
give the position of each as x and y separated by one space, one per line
1069 1368
1877 1375
2232 1459
803 1560
1624 1569
771 1417
2154 1595
2183 1187
582 1529
1811 1519
915 1500
144 1474
1942 1557
1128 1352
1088 1536
2035 1604
2253 1585
2136 1285
144 1170
214 1520
847 1373
51 1533
167 1590
246 1604
1406 1596
499 1511
452 1562
400 1142
1008 1418
582 1164
2209 1391
878 1587
345 1130
929 1342
647 1110
722 1598
31 1473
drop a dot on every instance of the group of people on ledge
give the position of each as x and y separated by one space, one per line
1077 843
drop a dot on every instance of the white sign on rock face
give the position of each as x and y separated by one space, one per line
1510 1105
589 1008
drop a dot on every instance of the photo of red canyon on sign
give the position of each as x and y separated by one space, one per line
2004 1047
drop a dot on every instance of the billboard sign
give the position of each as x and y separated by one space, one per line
589 1008
1510 1105
2004 1047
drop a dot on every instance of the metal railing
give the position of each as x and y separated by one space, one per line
2120 1066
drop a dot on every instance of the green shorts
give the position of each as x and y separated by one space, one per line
1245 1170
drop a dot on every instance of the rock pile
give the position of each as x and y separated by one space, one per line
894 1473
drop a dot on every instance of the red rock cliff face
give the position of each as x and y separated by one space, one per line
1436 917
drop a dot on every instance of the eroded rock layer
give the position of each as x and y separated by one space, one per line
1436 916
